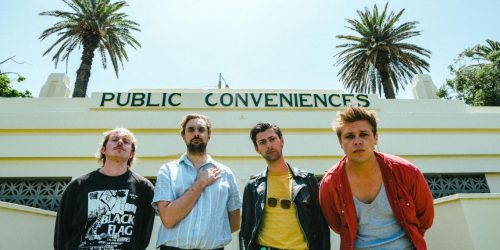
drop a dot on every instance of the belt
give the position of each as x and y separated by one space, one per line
176 248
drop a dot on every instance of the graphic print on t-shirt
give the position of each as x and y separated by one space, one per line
110 219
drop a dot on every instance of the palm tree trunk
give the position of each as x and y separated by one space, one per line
387 84
83 73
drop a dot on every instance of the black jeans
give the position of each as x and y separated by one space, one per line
176 248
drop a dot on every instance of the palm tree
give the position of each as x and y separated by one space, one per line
483 52
94 24
379 59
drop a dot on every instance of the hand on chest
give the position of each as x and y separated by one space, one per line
184 181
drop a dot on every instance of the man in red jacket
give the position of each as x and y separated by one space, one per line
374 200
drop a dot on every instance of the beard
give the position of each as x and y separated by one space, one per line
272 157
199 148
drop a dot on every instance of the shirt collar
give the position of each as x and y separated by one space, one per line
184 159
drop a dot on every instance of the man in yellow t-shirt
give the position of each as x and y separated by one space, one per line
280 205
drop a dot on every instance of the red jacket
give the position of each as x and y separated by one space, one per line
407 191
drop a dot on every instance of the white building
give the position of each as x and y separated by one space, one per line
45 142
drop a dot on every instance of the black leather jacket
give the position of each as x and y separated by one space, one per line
305 197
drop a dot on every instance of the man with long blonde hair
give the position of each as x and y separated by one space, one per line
109 208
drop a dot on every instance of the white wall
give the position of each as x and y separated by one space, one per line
58 137
493 180
465 221
24 227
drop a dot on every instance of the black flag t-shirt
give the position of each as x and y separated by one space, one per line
105 212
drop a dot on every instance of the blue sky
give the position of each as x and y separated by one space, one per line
264 44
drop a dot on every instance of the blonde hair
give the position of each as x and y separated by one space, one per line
101 158
353 114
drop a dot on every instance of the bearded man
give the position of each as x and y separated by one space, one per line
197 198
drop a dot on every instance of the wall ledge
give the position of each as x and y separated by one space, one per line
465 196
26 209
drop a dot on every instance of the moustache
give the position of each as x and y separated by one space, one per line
196 138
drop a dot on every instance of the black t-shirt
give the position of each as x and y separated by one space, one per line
105 212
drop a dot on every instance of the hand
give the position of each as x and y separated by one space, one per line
208 177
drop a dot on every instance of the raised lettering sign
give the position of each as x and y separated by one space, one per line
230 100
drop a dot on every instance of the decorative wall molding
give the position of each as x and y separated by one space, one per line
39 193
447 184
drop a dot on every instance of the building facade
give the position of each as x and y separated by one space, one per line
48 141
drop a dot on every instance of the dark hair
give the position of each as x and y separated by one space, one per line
353 114
261 127
189 117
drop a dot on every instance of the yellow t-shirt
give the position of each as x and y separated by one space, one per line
280 227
